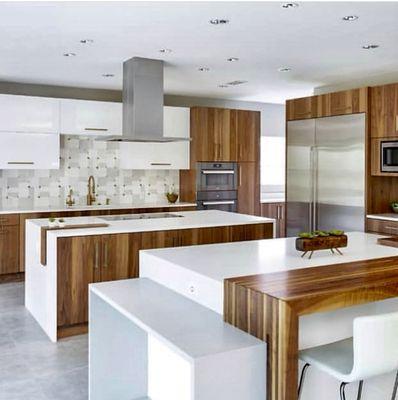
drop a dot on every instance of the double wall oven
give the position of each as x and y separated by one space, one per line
216 186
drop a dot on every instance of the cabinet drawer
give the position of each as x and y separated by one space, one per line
381 226
9 219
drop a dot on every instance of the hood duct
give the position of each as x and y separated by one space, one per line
143 102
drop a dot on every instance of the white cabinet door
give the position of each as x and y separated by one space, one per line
171 155
176 122
29 150
91 118
29 114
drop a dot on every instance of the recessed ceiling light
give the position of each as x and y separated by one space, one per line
350 18
165 51
87 41
204 69
69 54
370 46
235 83
232 59
284 69
290 5
219 21
223 85
108 75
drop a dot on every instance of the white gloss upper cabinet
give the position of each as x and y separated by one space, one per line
176 122
91 118
29 114
29 150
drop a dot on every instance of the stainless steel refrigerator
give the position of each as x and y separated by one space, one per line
325 177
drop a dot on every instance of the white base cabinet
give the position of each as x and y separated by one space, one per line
29 150
91 118
29 114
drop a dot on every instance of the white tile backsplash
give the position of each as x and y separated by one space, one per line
80 158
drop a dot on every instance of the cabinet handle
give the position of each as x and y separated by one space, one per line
240 175
105 262
96 258
396 123
240 152
20 162
96 129
159 163
277 213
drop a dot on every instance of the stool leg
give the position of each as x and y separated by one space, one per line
342 391
394 392
302 377
360 390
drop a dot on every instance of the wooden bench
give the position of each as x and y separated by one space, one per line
148 342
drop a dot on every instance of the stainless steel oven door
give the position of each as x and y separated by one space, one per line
389 156
216 176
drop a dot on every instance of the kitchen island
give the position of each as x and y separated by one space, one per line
235 279
60 263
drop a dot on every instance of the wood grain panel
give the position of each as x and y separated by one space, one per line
249 188
9 249
269 305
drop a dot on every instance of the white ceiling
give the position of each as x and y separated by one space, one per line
312 39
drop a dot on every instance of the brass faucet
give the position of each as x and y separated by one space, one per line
91 191
70 201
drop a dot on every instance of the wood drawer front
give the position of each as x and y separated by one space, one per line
9 219
381 226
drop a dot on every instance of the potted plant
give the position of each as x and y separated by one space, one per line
171 195
52 222
61 223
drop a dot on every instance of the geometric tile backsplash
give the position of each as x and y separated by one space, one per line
80 158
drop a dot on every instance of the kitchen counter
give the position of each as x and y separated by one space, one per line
198 272
63 208
384 217
184 220
60 263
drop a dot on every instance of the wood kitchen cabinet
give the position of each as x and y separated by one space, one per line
384 111
248 136
382 226
327 105
249 188
82 260
276 211
9 244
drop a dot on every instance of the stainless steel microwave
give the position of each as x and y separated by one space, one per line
389 156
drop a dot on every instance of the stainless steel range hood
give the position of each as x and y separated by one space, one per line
143 102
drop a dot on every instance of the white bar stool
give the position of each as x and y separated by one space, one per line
372 351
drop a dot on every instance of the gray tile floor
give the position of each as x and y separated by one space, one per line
32 367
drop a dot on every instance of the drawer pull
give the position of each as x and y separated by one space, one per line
105 263
96 129
20 163
159 163
96 257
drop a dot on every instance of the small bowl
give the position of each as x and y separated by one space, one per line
394 208
172 197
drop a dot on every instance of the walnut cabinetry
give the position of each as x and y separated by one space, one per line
384 111
83 260
226 135
276 211
9 243
382 226
327 105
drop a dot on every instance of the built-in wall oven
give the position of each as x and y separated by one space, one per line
389 155
216 186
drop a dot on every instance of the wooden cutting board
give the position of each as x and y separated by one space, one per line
45 229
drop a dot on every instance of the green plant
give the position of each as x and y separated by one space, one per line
306 235
336 232
51 219
61 220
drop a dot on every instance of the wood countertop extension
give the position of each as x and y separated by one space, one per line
268 306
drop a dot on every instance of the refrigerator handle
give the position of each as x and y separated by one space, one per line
311 203
315 188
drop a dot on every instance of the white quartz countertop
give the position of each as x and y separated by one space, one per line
385 217
220 261
186 220
7 210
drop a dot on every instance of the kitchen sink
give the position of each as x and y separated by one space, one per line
128 217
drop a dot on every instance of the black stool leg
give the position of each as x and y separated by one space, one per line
342 391
360 390
394 392
302 377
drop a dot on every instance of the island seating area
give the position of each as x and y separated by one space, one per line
162 345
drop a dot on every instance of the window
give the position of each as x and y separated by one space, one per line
272 166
